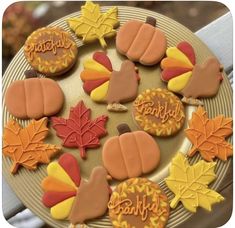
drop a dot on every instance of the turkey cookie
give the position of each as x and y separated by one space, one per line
34 98
93 25
138 203
131 154
159 112
51 51
186 77
72 198
141 42
104 85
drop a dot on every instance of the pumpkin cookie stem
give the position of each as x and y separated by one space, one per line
151 20
123 128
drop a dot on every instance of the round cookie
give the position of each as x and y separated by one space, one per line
51 51
138 203
159 112
130 154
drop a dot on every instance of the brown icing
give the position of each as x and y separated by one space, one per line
50 50
34 98
205 80
141 42
137 203
123 84
159 112
130 155
92 198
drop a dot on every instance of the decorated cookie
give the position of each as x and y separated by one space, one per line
131 154
61 185
190 80
92 198
50 51
79 130
72 198
190 184
103 84
208 135
93 25
141 42
158 112
138 203
25 145
34 98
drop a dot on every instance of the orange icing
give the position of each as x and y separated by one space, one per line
169 63
88 75
51 184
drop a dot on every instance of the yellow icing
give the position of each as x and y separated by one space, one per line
62 209
189 183
99 94
178 83
175 53
56 171
93 24
91 64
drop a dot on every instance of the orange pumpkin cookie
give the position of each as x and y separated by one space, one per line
141 42
138 203
131 154
34 98
159 112
50 51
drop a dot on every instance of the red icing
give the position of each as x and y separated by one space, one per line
188 50
70 165
169 73
103 59
78 130
88 86
50 199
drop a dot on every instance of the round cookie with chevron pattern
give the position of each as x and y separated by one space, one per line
159 112
51 51
138 203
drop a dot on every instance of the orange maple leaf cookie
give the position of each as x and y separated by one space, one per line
208 135
25 145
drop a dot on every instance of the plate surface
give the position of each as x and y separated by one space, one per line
26 184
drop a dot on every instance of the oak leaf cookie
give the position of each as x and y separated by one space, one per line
51 51
158 112
34 98
141 42
131 154
185 77
138 203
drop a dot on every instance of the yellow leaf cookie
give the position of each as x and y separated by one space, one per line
190 184
93 25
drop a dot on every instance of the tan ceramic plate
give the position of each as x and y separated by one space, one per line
26 184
